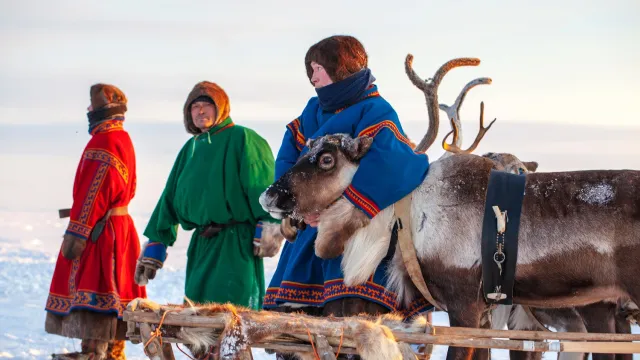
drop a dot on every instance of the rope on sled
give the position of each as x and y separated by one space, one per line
315 352
157 333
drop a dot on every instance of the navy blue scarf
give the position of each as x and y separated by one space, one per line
345 92
105 113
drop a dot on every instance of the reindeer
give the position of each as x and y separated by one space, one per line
591 217
599 317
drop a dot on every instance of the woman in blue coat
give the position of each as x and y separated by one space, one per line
349 102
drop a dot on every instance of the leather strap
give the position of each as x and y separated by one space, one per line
120 211
535 320
213 228
99 226
116 211
405 243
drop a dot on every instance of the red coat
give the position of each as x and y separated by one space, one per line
102 278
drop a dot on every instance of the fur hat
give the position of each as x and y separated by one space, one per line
105 94
213 91
340 55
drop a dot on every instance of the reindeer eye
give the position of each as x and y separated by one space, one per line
521 171
326 161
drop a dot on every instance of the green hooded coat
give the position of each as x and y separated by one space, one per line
218 177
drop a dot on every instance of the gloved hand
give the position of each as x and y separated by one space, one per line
151 259
267 239
72 246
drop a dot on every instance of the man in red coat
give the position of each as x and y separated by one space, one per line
93 279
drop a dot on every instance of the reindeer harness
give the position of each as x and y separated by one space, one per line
408 251
503 204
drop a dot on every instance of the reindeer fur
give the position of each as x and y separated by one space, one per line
339 223
270 240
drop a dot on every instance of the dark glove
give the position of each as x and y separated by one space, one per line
151 259
72 246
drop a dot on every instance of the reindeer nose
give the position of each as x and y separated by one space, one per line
277 199
285 203
281 195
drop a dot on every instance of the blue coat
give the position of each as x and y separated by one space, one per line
390 165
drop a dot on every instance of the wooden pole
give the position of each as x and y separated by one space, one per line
602 347
334 327
534 335
153 347
167 351
324 350
279 344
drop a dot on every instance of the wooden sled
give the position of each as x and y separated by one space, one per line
158 326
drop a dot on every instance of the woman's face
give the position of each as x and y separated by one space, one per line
319 78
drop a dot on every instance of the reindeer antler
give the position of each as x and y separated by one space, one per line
430 89
456 149
453 111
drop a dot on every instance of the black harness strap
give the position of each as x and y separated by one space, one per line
500 250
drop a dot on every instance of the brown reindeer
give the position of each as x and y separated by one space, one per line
591 217
599 317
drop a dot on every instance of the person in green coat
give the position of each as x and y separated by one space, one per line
213 188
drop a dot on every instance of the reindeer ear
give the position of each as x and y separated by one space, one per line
359 146
532 166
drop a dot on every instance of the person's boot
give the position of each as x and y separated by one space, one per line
72 356
97 348
90 350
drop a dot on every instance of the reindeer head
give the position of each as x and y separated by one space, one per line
510 163
318 178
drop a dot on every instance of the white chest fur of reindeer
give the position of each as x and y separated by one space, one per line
445 221
367 247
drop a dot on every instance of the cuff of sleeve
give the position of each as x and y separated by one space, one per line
368 207
258 234
78 230
156 251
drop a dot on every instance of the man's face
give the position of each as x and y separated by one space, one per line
203 115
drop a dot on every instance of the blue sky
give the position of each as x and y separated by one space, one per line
570 62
